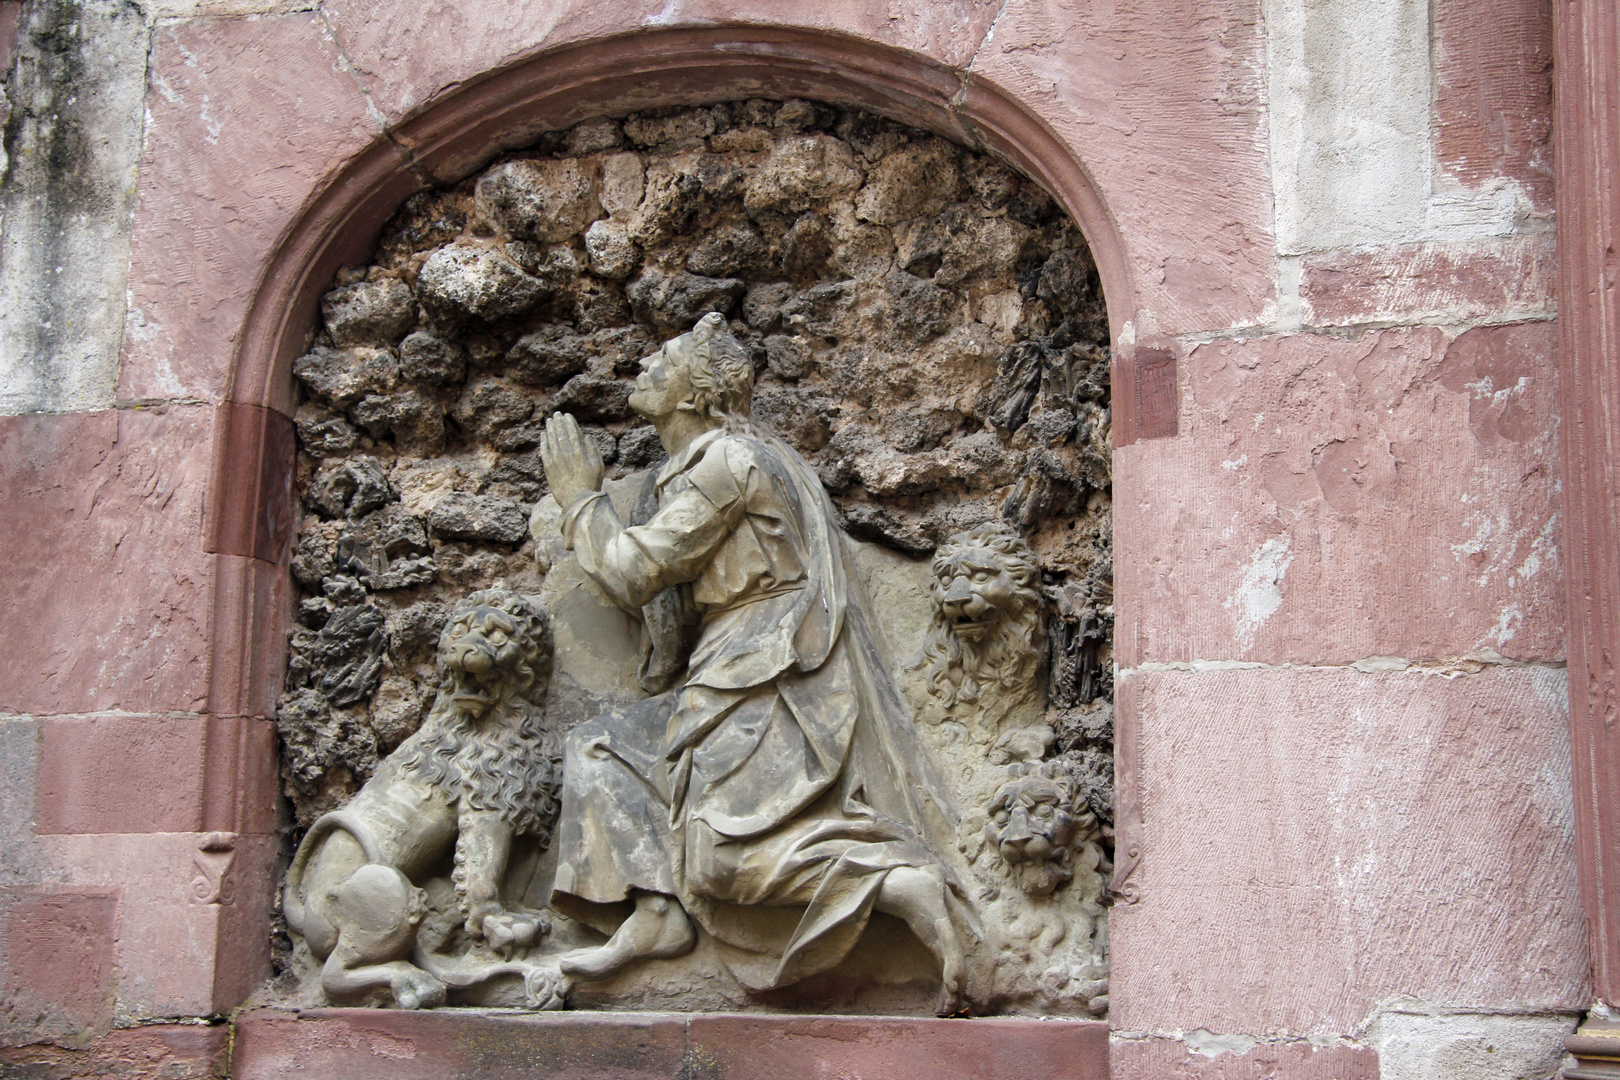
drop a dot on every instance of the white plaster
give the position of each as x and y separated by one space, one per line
1209 1044
1374 664
1352 155
1505 627
1258 596
1478 1046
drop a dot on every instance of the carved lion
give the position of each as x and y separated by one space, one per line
479 774
987 623
1037 820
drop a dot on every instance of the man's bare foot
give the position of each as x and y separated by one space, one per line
953 970
917 895
656 930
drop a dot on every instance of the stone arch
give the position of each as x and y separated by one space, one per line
251 499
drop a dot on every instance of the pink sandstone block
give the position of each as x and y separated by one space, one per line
101 548
1165 110
122 774
253 603
9 11
56 965
156 1052
381 38
1493 95
245 117
452 1044
141 774
879 1048
1430 281
1318 842
360 1044
1170 1059
1332 499
193 927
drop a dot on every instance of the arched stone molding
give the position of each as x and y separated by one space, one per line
451 137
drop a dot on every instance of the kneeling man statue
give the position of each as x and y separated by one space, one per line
779 794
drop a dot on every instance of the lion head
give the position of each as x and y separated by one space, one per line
483 740
986 626
1036 820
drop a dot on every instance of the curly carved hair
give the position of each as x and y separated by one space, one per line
959 670
721 371
504 761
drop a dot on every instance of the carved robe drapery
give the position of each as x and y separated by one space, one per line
776 786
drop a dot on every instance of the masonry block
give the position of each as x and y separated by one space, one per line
193 929
56 964
245 118
994 1048
1330 499
1239 1058
155 1052
108 600
1451 282
1318 842
451 1043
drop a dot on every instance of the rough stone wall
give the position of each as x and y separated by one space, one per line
927 330
1212 135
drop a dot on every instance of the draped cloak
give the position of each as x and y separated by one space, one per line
781 780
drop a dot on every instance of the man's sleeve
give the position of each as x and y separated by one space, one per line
635 564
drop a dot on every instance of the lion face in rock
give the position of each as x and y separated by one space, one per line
495 645
986 626
1033 824
975 590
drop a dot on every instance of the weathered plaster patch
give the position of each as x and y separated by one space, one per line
1479 1046
1258 596
1352 154
1209 1044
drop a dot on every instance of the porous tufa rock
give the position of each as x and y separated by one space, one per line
460 516
612 253
544 200
465 282
427 359
340 377
369 312
323 432
671 301
918 181
802 170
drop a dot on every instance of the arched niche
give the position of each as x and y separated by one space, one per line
251 502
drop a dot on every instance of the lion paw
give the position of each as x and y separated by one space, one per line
508 932
416 989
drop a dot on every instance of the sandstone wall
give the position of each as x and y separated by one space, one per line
1339 648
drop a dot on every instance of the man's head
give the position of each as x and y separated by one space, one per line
707 372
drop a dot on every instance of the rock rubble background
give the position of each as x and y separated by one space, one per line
927 328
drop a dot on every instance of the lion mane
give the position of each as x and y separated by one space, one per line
959 668
503 760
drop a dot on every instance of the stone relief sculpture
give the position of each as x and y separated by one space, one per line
782 773
473 783
819 713
984 641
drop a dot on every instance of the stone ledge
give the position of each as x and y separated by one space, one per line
445 1044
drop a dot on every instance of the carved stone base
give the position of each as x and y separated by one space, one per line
448 1044
1596 1046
